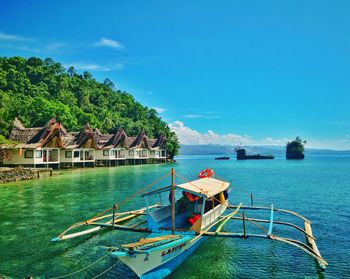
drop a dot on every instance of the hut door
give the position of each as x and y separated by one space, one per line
45 155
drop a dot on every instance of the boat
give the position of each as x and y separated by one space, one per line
222 158
193 211
241 155
255 157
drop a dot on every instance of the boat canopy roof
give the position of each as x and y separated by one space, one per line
205 186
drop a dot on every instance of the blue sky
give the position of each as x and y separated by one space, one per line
256 72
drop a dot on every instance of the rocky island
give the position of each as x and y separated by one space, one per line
295 149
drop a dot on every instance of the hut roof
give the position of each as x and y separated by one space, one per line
119 137
23 136
157 143
69 140
87 138
85 130
37 136
129 141
18 124
54 134
141 138
103 139
98 132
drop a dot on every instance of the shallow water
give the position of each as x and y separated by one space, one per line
33 212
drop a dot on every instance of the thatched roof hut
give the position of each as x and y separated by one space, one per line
48 136
53 134
87 138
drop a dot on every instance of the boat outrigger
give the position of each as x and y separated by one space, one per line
196 210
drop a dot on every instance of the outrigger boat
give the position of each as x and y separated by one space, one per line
196 210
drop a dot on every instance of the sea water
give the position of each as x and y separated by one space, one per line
33 212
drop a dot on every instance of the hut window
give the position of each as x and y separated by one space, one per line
76 154
38 153
105 152
152 153
28 154
68 154
131 153
113 152
144 152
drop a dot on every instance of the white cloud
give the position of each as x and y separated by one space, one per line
272 141
94 67
9 37
203 116
340 143
159 110
109 43
187 135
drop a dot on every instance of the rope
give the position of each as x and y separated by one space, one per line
142 190
85 268
130 197
103 272
243 191
254 223
115 205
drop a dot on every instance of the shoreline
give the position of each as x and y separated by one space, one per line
18 174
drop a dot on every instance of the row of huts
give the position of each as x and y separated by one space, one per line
53 146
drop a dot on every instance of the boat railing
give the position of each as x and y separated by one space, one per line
210 216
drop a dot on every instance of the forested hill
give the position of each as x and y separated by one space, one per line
35 90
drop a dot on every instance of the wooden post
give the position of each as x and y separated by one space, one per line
172 200
251 199
113 218
244 228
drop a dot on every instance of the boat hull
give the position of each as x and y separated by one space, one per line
161 261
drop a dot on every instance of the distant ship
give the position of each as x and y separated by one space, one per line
222 158
241 155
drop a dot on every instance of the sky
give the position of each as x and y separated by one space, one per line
220 72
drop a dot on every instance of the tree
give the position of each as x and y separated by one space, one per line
109 84
87 75
71 71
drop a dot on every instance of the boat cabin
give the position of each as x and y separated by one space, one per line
197 205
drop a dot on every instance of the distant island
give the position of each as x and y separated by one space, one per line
295 149
242 155
35 90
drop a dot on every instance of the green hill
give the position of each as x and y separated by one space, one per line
35 90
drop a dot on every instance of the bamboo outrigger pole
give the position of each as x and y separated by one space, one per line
172 200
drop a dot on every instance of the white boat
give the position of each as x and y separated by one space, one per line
172 240
195 210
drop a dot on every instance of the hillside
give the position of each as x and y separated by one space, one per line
35 90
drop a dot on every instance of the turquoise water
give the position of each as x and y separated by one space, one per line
33 212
